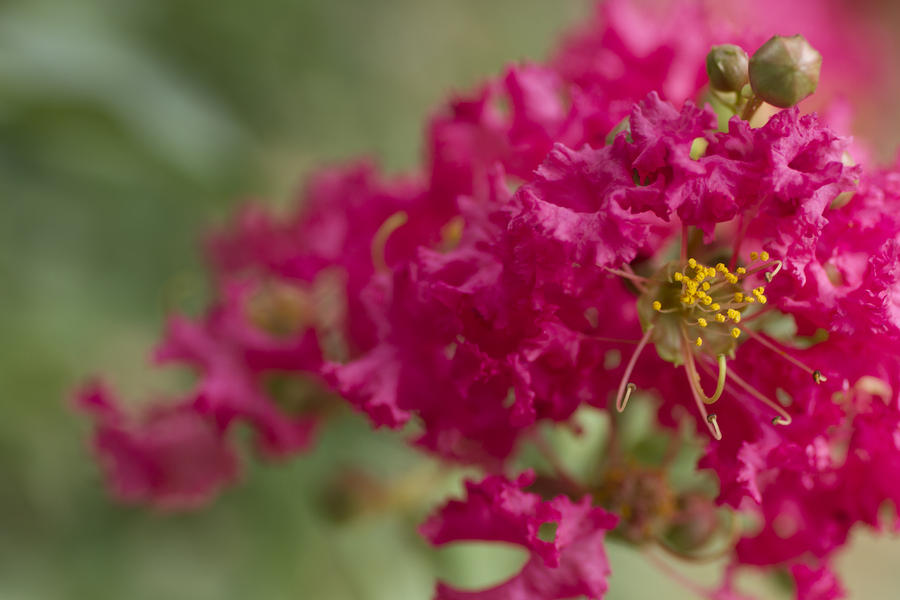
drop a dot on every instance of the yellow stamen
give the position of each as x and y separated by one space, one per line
657 305
379 240
735 333
714 425
625 387
699 342
764 255
701 322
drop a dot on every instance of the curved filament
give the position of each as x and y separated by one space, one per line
691 373
625 387
783 417
379 240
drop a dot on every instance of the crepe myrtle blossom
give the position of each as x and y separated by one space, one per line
288 301
572 564
510 306
617 229
774 187
144 457
583 235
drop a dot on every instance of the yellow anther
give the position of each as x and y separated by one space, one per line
711 272
705 285
720 318
699 342
657 305
738 297
762 299
749 300
733 314
764 255
721 267
692 263
702 322
678 276
740 270
707 300
754 256
731 278
715 306
735 333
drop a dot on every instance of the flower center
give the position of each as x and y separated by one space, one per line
701 303
692 313
280 309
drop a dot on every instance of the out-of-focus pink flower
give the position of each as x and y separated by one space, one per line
634 47
235 360
333 230
573 564
169 456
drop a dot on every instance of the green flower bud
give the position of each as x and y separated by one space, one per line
785 70
726 66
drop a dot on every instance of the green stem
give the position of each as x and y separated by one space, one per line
751 107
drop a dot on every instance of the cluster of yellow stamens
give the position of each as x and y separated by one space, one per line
709 296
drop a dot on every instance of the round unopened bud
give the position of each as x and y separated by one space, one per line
785 70
726 66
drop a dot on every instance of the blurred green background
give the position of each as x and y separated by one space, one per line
128 127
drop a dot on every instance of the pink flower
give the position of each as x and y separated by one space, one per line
573 564
626 53
631 49
473 133
539 259
332 233
145 458
584 234
237 361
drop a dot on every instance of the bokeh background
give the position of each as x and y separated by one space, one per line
127 128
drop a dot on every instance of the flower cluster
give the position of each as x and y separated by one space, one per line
584 235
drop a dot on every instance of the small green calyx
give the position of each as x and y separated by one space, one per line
727 67
785 70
